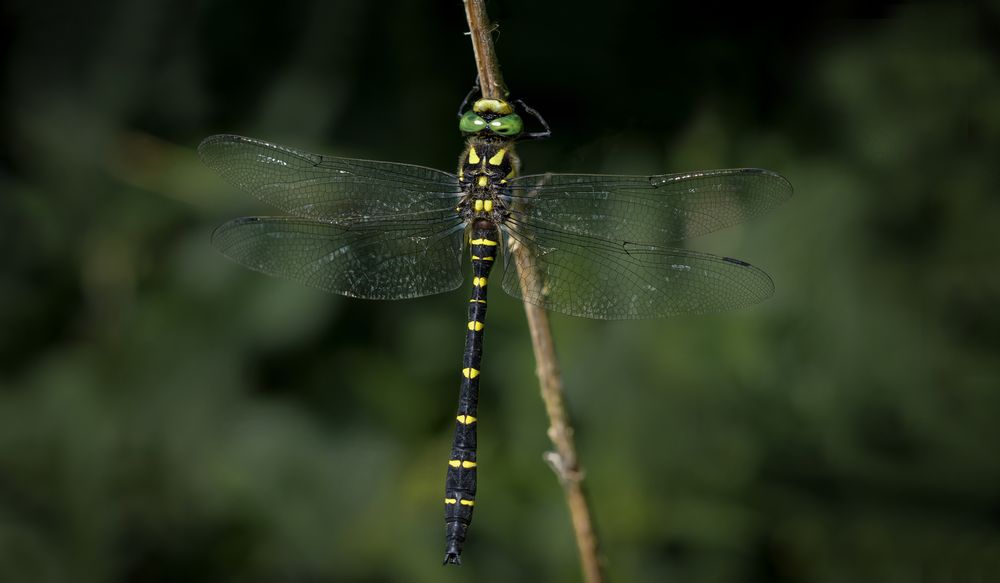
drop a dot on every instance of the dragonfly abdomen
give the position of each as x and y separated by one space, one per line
460 482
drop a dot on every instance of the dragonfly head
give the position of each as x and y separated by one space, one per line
495 115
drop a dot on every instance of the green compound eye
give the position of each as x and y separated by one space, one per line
508 125
471 123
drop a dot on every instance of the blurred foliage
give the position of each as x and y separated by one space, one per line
168 416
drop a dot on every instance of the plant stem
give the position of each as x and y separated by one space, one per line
563 461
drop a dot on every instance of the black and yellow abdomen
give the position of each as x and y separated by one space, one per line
460 482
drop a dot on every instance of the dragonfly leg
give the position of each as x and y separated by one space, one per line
468 96
534 135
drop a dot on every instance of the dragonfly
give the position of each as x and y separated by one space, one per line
595 246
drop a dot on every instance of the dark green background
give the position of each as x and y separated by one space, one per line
168 416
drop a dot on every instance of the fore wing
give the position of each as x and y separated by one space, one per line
652 210
341 191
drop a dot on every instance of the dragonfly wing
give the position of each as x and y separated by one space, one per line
592 278
360 262
653 210
344 191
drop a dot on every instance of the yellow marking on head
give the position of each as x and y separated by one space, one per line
492 106
450 501
470 373
479 282
487 242
473 156
487 205
475 326
454 463
468 465
478 205
467 502
498 157
483 181
466 419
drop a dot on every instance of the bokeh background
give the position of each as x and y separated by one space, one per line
166 415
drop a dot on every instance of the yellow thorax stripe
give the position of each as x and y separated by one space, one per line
483 181
497 158
473 156
480 204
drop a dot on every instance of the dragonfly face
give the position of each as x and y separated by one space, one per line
599 246
491 117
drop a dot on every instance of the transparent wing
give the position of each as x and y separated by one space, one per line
652 210
370 263
337 190
592 278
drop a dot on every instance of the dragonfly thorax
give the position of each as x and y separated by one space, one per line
483 171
